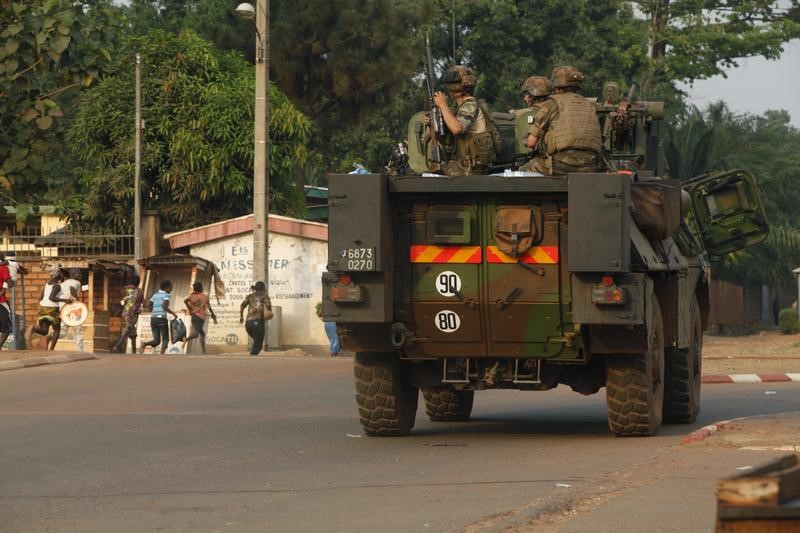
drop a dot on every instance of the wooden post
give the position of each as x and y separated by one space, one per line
88 330
105 292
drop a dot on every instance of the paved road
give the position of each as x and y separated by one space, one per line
268 444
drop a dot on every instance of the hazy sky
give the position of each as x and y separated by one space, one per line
757 85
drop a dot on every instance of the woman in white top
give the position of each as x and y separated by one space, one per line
49 308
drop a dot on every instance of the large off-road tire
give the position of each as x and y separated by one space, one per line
682 376
387 404
635 387
446 404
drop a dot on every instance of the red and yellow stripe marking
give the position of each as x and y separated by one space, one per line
421 253
538 255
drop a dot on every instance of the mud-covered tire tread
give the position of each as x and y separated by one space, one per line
386 405
446 404
682 381
631 409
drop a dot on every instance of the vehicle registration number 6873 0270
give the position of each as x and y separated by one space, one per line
358 258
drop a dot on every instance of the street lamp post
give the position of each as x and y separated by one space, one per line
260 14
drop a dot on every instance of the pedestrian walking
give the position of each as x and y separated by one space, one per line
16 273
331 333
159 304
71 287
5 309
132 298
52 298
199 308
256 303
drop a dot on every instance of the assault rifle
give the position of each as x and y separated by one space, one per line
437 123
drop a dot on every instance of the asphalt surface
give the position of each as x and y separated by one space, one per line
273 444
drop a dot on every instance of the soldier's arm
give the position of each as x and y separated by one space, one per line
450 120
537 129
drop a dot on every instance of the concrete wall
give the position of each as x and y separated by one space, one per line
295 267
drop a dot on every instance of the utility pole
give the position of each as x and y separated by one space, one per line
261 155
137 181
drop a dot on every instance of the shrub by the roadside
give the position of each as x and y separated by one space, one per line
787 321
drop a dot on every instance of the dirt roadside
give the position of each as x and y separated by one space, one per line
765 352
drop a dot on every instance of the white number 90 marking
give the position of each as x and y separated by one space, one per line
448 283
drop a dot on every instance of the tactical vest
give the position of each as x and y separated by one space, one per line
575 127
475 146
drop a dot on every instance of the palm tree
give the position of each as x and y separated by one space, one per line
688 145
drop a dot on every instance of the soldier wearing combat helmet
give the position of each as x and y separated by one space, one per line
535 91
567 126
474 151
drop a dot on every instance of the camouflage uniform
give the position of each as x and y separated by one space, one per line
611 99
471 151
567 130
538 88
473 147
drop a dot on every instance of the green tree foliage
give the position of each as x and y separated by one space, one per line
197 144
343 58
505 41
348 64
687 146
50 50
334 59
212 19
697 39
787 321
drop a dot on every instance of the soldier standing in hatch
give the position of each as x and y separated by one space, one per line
567 126
474 151
611 100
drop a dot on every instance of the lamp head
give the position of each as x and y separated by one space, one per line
246 11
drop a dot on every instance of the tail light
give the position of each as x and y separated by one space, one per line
608 293
345 291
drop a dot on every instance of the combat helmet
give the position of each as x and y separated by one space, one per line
537 86
458 78
611 92
566 77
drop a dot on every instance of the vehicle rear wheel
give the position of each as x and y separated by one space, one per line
682 376
387 403
635 387
447 404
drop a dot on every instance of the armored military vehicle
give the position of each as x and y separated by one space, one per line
454 285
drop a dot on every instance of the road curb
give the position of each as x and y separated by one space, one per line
46 360
705 431
749 378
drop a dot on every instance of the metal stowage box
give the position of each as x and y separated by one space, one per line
359 220
599 223
355 202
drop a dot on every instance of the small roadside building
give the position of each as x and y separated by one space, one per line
298 254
